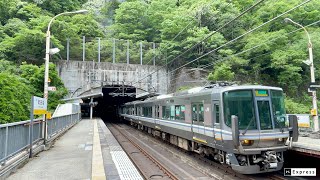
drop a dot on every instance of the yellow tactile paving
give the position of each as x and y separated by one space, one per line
97 161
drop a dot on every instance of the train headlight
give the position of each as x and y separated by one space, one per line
247 142
282 139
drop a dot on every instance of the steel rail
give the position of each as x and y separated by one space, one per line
162 167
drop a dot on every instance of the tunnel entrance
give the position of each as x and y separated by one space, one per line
113 97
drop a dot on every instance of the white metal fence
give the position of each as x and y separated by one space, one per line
14 137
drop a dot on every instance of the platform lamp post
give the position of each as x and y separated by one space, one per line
310 63
53 51
48 52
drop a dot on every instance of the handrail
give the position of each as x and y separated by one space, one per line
17 123
14 136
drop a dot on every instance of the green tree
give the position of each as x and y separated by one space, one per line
59 6
35 75
15 96
221 73
8 9
131 21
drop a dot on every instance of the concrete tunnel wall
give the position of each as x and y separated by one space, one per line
86 75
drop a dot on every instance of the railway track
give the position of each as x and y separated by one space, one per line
116 131
212 168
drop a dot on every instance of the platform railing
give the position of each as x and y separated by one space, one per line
58 124
14 137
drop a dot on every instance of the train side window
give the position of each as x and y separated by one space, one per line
182 112
194 112
165 112
177 110
144 111
147 111
201 111
172 112
217 114
157 114
150 111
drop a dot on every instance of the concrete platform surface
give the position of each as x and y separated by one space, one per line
87 151
307 145
69 158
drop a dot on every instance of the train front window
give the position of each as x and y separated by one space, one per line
240 103
278 107
264 115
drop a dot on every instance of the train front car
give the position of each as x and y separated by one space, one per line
255 116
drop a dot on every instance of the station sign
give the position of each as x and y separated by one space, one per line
303 120
52 88
39 105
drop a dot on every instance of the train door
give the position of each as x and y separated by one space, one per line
264 113
194 115
197 118
216 120
157 114
265 119
201 119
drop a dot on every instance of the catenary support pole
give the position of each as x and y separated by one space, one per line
68 49
83 48
91 108
140 53
114 51
128 53
99 49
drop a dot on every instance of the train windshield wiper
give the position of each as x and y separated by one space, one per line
276 120
245 131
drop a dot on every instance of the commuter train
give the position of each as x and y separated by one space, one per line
244 127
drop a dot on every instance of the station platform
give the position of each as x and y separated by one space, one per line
86 151
308 146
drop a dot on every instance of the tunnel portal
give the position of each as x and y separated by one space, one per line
107 107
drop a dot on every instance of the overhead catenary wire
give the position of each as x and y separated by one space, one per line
211 34
191 21
175 36
254 47
205 37
213 63
235 39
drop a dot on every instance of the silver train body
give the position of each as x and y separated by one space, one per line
244 127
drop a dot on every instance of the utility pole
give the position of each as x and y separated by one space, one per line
314 92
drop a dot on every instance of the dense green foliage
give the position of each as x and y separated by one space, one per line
23 25
15 97
271 55
19 83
